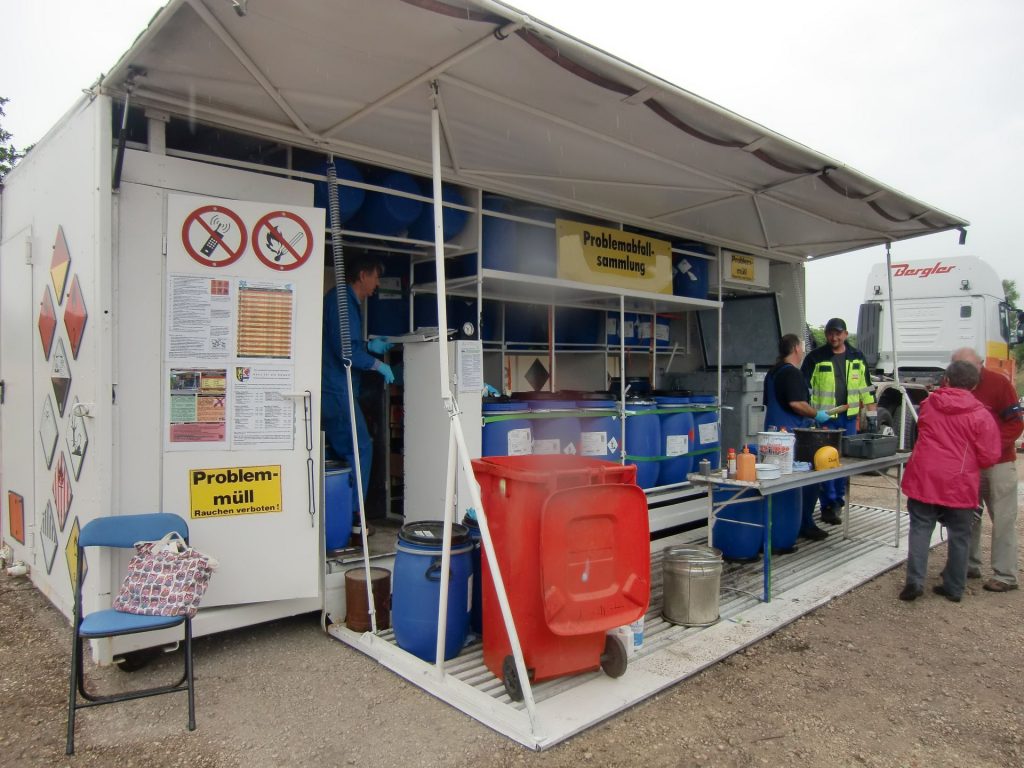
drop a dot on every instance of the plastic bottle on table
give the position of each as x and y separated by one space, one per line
745 466
730 460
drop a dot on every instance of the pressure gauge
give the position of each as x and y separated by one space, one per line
468 329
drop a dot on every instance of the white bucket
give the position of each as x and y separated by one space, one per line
776 448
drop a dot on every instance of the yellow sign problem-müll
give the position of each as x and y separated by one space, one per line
601 256
230 491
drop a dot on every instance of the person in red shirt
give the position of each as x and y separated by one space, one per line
956 440
998 482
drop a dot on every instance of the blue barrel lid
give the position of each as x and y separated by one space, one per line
430 533
503 406
597 404
552 405
703 399
669 400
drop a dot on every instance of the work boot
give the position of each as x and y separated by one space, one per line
911 592
940 589
814 533
831 516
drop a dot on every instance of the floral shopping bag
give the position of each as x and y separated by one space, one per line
165 578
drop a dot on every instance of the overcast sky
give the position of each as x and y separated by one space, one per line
923 95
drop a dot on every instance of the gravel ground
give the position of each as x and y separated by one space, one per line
864 681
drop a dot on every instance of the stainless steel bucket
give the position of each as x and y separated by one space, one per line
691 575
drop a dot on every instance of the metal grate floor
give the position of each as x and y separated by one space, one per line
801 581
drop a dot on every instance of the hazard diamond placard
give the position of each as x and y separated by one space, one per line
47 322
75 315
60 265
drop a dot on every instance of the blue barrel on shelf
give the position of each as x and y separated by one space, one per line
600 432
512 436
662 326
738 542
707 439
577 326
643 439
555 434
417 589
453 219
677 438
386 214
690 276
476 611
350 199
337 505
786 518
517 246
612 335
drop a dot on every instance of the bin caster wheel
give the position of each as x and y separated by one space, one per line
511 676
614 659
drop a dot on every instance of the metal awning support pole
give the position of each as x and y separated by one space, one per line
461 452
907 405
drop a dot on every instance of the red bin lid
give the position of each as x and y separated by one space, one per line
595 558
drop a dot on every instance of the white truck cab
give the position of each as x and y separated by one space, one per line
938 306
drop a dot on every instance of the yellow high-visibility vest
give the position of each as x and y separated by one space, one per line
823 386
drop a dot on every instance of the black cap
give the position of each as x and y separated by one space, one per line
835 324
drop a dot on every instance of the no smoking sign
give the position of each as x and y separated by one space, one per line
282 240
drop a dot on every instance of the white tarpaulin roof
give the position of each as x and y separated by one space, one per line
526 110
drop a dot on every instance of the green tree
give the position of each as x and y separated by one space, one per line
8 154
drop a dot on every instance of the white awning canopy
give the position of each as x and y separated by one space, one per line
526 110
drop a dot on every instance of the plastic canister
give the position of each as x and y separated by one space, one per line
745 462
556 427
776 448
386 214
600 431
357 611
705 430
612 335
738 532
691 577
662 326
417 589
337 505
690 277
509 434
452 219
643 440
676 439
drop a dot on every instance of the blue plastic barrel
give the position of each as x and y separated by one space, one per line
738 542
417 589
600 432
786 508
690 276
516 246
677 437
643 439
349 198
453 219
337 505
555 434
661 331
511 437
707 439
578 326
476 611
385 214
612 335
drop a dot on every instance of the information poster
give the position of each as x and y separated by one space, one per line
263 414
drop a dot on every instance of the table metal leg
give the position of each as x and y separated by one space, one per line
766 577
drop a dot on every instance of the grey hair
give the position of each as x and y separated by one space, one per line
962 375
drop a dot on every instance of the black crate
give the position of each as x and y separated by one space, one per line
869 445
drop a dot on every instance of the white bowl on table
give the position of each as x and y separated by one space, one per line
768 471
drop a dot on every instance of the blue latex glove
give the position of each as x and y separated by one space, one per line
821 417
491 391
379 346
385 370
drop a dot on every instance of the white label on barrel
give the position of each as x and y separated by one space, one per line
519 442
661 332
469 594
593 443
677 445
708 432
554 445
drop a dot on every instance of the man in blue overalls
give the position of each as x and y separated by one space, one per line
363 277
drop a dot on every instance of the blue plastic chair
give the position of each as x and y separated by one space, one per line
122 531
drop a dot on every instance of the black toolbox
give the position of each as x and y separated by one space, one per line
869 445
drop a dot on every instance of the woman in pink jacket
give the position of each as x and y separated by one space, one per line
957 437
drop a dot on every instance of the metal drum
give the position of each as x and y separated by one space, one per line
691 575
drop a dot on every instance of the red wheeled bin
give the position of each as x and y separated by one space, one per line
572 539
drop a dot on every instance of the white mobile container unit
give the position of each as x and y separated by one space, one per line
161 300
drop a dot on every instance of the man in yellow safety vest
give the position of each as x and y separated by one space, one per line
837 376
